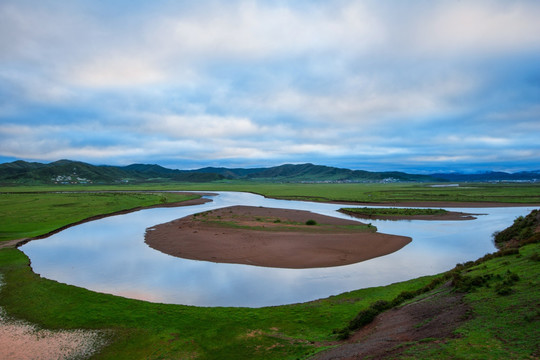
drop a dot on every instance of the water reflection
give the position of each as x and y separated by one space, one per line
110 256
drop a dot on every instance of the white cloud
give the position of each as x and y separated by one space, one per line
478 28
118 71
252 30
200 126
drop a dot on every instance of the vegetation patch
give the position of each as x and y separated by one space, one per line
524 230
393 211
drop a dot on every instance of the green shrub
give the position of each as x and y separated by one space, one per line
311 222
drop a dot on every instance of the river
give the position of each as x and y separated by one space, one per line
109 255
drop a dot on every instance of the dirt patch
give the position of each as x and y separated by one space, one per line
20 340
431 319
272 238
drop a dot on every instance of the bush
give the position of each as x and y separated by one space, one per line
311 222
364 317
380 305
469 283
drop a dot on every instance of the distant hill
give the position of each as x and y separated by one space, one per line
310 172
76 172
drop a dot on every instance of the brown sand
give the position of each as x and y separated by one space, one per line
271 237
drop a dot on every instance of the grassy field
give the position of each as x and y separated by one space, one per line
369 193
28 214
503 325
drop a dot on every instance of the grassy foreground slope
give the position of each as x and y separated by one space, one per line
504 295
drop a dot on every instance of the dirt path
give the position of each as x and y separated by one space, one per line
272 238
434 317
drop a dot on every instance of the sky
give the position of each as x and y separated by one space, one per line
417 86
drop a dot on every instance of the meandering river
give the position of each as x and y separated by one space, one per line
109 255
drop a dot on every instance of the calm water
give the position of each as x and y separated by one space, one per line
110 256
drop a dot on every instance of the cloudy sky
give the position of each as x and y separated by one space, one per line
417 86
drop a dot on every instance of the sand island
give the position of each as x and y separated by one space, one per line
271 237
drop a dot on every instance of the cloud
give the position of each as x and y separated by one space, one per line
480 28
116 72
200 126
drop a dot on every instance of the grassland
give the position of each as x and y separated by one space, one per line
29 214
501 326
367 193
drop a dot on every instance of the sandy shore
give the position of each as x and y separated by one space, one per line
271 237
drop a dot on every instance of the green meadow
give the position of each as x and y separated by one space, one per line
356 192
29 214
503 321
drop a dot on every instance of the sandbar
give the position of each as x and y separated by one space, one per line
271 237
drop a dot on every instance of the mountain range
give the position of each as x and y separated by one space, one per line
76 172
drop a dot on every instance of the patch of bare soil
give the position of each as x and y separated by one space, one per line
433 318
20 340
272 238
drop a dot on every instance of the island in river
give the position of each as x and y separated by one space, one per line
271 237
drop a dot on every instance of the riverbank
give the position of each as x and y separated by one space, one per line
271 237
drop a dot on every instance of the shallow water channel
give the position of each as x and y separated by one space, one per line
109 255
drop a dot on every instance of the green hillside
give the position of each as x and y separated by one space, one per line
74 172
